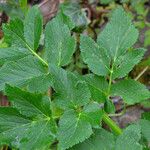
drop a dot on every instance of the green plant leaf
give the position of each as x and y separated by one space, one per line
93 114
131 91
77 15
100 140
21 72
33 27
12 54
65 19
109 106
129 139
12 8
112 46
41 83
28 104
27 35
20 131
106 1
94 56
146 116
59 44
98 87
30 128
118 35
70 91
72 129
145 62
24 5
145 128
124 64
14 33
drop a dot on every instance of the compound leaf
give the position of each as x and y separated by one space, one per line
112 47
30 125
131 91
118 35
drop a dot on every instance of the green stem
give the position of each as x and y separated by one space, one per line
106 118
35 54
112 124
109 84
110 79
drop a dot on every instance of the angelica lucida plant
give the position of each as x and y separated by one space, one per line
53 108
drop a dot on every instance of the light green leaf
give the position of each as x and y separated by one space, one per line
98 87
129 139
28 104
59 44
72 129
23 3
70 91
20 72
94 56
100 140
118 35
33 27
131 91
12 54
124 64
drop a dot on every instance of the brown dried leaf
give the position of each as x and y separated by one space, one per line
49 9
